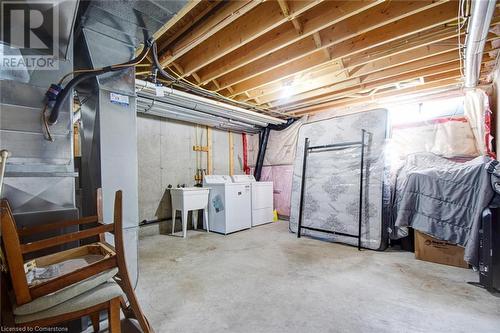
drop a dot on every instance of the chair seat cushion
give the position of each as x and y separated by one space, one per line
62 295
100 294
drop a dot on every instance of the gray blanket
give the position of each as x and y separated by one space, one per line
445 200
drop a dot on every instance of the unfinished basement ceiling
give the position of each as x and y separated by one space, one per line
297 57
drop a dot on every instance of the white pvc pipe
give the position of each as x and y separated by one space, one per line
477 32
228 110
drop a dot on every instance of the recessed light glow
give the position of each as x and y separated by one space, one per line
286 91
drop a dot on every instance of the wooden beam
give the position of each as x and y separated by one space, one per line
297 25
178 67
318 18
329 75
286 12
222 18
430 74
319 60
374 85
396 21
259 21
284 7
178 16
196 77
431 86
335 94
209 152
317 40
184 23
418 65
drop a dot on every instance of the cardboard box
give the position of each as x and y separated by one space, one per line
428 248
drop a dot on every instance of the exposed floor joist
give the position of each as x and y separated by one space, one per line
251 51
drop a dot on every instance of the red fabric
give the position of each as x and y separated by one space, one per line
246 168
488 138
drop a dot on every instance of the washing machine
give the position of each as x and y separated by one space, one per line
262 198
229 204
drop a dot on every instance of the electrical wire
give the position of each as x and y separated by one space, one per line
85 74
112 67
177 79
46 134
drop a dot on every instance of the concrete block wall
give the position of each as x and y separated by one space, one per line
166 156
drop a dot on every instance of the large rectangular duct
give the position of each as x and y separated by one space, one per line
40 179
109 33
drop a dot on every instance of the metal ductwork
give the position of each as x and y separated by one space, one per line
175 104
477 31
109 32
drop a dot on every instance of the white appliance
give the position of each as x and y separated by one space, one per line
262 198
229 204
186 199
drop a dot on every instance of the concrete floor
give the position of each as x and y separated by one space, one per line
267 280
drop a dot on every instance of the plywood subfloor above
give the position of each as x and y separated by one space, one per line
298 57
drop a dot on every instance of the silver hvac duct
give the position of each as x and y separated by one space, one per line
203 105
167 110
162 109
477 31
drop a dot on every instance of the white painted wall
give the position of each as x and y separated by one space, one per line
166 156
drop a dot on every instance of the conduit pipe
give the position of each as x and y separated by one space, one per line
477 32
176 112
190 101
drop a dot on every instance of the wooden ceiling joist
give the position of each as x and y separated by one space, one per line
380 78
255 23
201 32
194 11
285 9
346 38
430 87
296 57
438 73
452 81
329 75
317 62
320 17
189 7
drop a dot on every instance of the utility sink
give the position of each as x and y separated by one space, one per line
189 198
186 199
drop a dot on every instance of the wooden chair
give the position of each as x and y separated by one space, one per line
111 261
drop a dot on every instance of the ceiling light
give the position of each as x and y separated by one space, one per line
287 90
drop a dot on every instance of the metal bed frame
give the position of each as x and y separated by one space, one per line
337 146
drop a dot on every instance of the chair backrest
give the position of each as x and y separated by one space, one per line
15 250
11 245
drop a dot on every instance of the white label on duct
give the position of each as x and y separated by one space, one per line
119 99
160 91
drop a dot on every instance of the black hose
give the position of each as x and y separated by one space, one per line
263 145
61 97
262 153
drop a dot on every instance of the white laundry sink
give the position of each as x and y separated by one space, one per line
186 199
189 198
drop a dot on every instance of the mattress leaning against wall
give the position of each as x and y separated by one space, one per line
331 196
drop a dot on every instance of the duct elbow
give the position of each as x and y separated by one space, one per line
477 32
